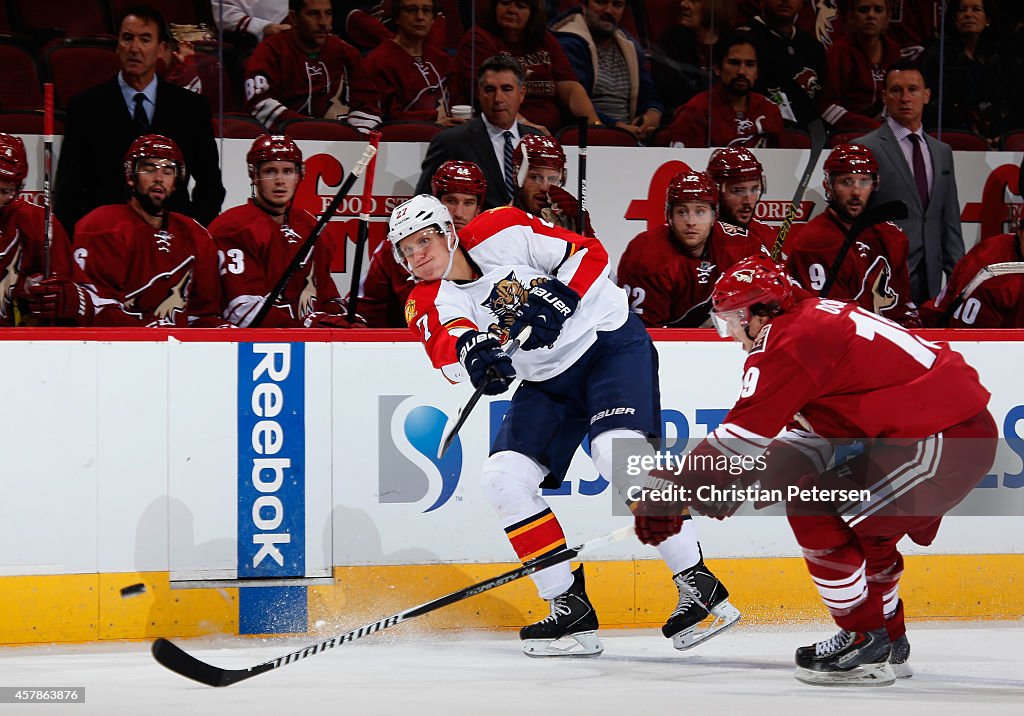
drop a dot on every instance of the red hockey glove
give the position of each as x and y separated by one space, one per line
59 299
657 518
655 530
320 319
564 204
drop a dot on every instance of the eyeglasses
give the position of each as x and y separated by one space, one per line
428 10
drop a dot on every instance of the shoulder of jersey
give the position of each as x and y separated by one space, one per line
487 223
422 297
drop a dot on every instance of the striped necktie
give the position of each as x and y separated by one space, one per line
510 181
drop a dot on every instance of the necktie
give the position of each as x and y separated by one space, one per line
140 112
510 180
920 174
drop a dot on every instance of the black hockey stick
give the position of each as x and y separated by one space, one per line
47 177
449 436
889 211
306 250
817 130
181 662
581 160
364 229
1001 269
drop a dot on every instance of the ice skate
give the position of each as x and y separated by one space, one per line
899 658
570 629
847 659
700 595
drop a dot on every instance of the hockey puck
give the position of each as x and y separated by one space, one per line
133 590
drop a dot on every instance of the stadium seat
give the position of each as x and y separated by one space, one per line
47 19
962 140
794 139
597 137
399 131
844 137
1012 141
21 88
238 126
28 121
323 129
78 64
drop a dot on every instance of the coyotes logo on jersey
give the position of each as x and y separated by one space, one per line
10 263
877 283
165 295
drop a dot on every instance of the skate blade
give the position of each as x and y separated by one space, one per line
864 675
582 644
725 615
902 671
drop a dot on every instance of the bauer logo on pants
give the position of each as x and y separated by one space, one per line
408 435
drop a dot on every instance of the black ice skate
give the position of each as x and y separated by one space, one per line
570 629
700 595
847 659
899 658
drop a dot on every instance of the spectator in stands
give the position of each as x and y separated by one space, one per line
855 67
539 165
792 61
246 22
413 78
818 18
519 28
975 90
683 58
913 25
308 72
102 122
730 114
611 66
488 140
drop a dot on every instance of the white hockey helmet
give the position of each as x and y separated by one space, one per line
421 212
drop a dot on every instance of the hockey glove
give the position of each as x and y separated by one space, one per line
60 299
548 306
656 518
566 210
488 366
320 319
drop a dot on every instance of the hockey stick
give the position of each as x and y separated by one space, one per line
889 211
1001 269
364 229
581 160
183 663
47 176
817 130
449 436
306 250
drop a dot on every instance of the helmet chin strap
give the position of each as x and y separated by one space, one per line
452 246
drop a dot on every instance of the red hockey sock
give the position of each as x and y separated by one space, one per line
536 536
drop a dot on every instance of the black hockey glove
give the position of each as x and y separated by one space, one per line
487 364
548 306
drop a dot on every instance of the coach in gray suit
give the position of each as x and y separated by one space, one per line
918 170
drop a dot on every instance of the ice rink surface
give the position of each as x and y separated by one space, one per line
959 669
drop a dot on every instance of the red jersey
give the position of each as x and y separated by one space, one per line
668 287
411 88
759 126
913 24
21 255
254 250
762 232
852 98
868 378
283 82
873 274
545 67
146 276
996 303
384 290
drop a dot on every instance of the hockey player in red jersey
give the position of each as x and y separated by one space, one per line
668 272
874 272
308 72
839 373
741 185
539 166
997 302
149 266
258 240
588 368
461 187
22 235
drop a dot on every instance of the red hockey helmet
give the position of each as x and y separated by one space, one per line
273 148
13 160
690 186
734 164
456 177
153 146
539 151
751 281
849 159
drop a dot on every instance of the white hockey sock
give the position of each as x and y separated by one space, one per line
681 551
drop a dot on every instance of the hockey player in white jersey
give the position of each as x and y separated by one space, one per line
588 367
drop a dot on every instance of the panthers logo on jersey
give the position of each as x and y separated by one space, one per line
507 296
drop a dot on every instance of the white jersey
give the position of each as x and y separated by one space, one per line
514 251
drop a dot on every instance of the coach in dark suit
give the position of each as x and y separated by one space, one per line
102 122
917 169
487 140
